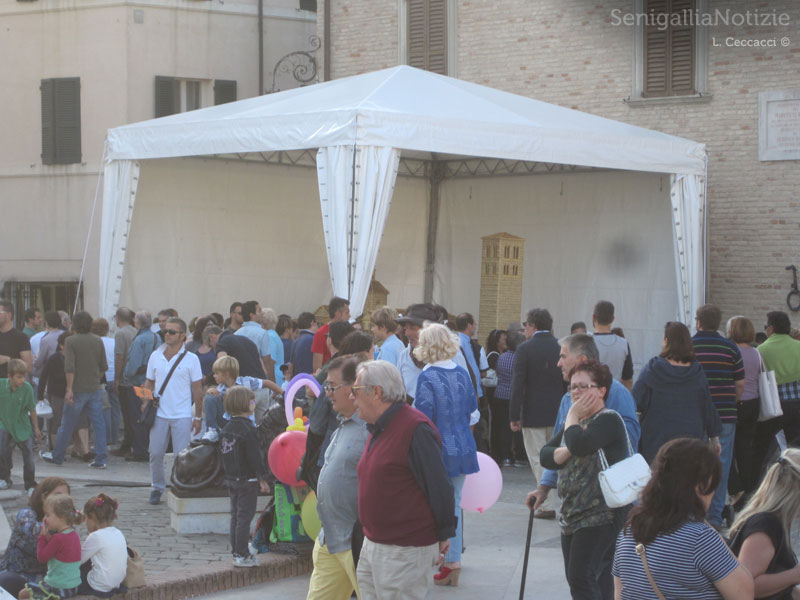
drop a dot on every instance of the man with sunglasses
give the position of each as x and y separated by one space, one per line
174 417
334 574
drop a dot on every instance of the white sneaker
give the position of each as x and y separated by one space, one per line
245 562
4 485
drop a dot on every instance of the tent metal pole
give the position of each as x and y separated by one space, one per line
436 178
261 47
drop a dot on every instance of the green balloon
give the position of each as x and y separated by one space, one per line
309 516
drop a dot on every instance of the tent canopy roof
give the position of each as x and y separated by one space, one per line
416 111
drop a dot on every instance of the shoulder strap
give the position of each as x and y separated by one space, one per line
171 371
469 370
640 551
603 461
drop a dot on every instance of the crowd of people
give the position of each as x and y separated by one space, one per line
405 408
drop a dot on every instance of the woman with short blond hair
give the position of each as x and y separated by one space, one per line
446 396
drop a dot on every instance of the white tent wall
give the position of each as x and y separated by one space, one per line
588 236
208 232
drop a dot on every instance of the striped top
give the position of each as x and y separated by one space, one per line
685 564
722 363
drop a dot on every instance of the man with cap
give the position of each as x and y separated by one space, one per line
412 321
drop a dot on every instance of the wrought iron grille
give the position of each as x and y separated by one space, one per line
44 295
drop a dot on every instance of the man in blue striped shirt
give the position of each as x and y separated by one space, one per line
724 369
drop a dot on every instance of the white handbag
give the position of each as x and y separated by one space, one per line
623 482
768 393
43 409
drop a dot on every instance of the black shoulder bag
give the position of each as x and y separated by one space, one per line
148 417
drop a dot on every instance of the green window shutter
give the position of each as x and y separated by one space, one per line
48 122
308 5
224 91
168 96
427 35
68 120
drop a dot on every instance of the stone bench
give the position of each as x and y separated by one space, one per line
208 512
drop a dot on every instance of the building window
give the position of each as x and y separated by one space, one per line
515 270
224 91
175 95
505 269
56 295
670 49
516 252
61 120
507 252
428 35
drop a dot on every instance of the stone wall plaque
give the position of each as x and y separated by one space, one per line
779 125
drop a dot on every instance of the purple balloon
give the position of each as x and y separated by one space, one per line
298 381
482 489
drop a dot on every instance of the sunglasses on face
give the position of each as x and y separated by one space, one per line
172 331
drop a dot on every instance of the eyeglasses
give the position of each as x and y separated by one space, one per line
355 388
172 331
330 388
582 387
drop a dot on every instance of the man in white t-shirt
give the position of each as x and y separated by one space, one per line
174 416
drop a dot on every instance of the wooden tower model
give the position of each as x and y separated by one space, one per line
501 282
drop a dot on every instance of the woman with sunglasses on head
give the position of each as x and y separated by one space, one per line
588 528
672 395
761 534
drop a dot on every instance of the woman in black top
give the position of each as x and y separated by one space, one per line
588 529
761 534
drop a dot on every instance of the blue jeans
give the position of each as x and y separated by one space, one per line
214 410
114 415
726 437
456 542
93 402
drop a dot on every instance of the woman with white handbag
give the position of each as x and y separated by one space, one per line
588 528
753 435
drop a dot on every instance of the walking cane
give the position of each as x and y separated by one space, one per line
525 561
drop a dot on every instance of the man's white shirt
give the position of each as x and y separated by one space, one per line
176 401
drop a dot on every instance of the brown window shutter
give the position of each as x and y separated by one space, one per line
669 52
48 122
437 36
68 120
682 49
224 91
168 96
417 39
427 35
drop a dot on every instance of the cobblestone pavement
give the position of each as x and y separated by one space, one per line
176 566
146 527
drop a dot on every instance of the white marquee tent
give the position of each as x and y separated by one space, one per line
362 126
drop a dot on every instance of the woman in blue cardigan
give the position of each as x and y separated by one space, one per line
446 396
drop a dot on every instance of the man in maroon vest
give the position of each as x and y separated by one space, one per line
405 500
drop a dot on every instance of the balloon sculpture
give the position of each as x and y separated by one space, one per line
285 454
297 382
309 516
482 489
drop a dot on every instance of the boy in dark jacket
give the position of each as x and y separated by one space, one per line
245 472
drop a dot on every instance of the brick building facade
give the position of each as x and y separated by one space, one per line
583 55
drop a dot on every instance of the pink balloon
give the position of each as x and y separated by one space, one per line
285 454
482 489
